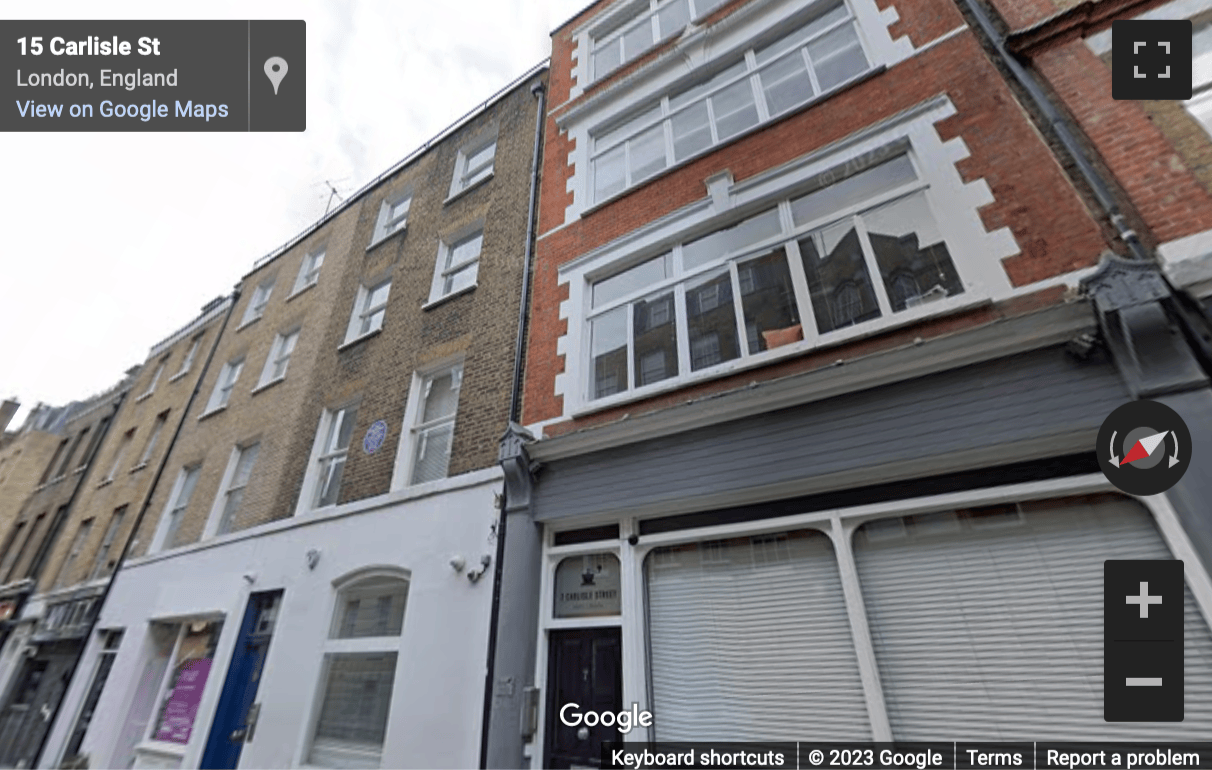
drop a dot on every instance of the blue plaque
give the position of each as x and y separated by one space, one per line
375 435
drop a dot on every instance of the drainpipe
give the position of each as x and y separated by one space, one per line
92 627
515 397
1056 121
1191 320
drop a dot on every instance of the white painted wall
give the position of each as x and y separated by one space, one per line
439 686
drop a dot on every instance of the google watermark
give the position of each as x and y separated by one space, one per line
572 716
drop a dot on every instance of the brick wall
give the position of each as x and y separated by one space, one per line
1032 195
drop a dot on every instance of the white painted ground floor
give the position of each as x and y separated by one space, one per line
346 638
972 615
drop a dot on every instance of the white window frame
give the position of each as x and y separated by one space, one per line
101 557
119 454
660 112
166 682
190 354
388 225
417 392
156 429
444 269
632 18
175 508
151 386
258 302
467 176
313 478
333 647
362 308
281 351
225 385
215 522
84 529
976 253
309 270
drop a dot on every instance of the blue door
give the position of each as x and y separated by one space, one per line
236 715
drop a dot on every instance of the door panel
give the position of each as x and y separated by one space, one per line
585 668
236 715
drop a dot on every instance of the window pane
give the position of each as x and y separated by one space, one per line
637 39
672 17
433 453
838 281
399 210
372 322
647 153
912 257
607 58
353 717
656 341
608 174
786 83
461 279
711 317
441 396
853 189
734 109
348 417
331 471
481 158
608 346
730 239
691 131
465 250
797 38
248 456
378 295
175 717
837 56
768 301
603 139
372 608
632 280
704 7
695 93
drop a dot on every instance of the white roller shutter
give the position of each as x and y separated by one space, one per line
749 640
987 625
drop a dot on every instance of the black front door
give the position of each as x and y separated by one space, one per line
35 698
584 667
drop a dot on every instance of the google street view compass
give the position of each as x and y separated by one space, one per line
1144 448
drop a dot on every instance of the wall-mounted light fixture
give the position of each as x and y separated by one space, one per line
475 574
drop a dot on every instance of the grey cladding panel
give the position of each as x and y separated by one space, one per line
1023 398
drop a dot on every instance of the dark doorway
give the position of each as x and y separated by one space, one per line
585 667
236 715
34 699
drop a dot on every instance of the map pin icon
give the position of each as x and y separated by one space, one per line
275 70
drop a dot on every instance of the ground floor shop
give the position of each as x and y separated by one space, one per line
349 638
921 560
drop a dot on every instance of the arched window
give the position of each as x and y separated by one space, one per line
357 679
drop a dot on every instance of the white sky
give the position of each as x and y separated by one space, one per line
112 241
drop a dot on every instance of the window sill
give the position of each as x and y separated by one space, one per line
144 396
210 412
267 385
960 303
247 323
105 483
380 241
356 340
302 290
178 375
454 196
446 298
161 748
138 467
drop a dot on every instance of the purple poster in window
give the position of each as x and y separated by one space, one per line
183 702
